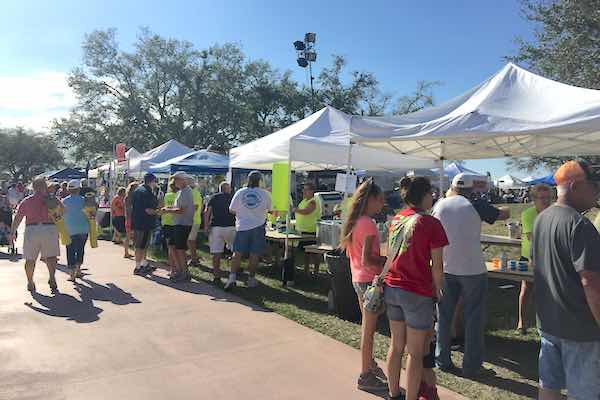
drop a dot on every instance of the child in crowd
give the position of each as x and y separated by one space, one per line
360 238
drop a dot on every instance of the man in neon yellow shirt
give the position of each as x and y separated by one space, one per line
308 213
542 197
167 221
192 239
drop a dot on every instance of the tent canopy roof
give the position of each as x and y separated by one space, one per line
515 113
510 182
200 161
164 152
320 141
454 168
65 173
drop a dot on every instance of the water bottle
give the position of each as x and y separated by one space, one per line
503 261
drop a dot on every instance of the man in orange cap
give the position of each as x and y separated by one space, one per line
565 250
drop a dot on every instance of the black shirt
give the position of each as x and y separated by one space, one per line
143 198
221 216
564 243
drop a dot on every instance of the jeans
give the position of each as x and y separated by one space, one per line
75 250
473 290
566 364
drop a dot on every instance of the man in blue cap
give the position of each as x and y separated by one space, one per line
143 222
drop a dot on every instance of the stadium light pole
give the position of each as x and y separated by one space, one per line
306 55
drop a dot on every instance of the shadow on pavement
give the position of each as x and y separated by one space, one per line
109 292
204 289
10 257
66 306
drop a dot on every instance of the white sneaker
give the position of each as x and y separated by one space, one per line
252 282
230 283
290 284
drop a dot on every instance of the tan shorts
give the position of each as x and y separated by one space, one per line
194 233
40 240
218 236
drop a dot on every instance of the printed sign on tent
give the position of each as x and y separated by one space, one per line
345 183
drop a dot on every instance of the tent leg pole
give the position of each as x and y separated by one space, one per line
348 168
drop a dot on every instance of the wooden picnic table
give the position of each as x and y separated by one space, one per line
489 240
509 275
278 238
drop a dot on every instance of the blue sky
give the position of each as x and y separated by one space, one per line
459 43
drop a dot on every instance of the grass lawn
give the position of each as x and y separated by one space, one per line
513 357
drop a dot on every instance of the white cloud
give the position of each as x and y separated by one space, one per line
33 101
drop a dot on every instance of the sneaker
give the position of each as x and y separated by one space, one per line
31 287
369 382
229 285
252 282
217 281
379 373
427 392
290 283
138 271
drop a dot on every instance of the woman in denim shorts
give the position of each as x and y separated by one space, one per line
413 282
360 238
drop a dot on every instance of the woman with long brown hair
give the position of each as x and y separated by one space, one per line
360 238
412 285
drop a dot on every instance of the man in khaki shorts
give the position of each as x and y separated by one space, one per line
41 235
220 227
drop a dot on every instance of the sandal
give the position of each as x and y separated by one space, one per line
31 287
53 286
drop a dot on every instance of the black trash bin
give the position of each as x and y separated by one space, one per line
342 298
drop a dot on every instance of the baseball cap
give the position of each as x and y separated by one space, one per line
180 175
463 181
576 170
149 177
74 184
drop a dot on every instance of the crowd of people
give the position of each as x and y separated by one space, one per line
434 263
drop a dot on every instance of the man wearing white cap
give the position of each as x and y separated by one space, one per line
183 209
465 273
77 225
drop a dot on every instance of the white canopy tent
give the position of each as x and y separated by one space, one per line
515 113
130 155
166 151
320 141
510 182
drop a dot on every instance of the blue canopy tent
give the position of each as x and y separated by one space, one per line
195 163
64 174
548 180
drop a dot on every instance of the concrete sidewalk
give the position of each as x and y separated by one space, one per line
118 336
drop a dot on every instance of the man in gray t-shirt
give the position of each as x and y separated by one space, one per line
565 252
183 211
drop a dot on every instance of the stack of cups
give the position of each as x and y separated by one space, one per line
512 265
522 265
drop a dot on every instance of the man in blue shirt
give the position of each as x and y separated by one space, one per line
77 225
143 221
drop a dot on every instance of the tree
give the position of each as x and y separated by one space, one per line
421 98
565 47
27 154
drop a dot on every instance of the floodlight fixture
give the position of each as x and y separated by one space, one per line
302 62
299 45
310 37
311 56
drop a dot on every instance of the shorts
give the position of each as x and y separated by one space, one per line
360 288
566 364
252 241
40 240
167 233
180 236
218 236
141 239
193 236
304 243
415 310
119 224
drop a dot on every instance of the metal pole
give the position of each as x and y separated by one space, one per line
441 161
348 168
312 90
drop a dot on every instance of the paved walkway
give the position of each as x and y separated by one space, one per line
124 337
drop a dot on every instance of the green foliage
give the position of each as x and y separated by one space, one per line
26 154
165 88
565 47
